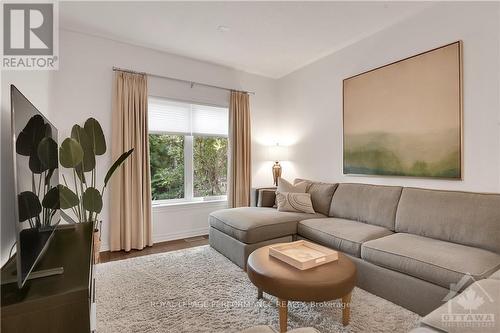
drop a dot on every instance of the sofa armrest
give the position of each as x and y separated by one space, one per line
263 197
267 197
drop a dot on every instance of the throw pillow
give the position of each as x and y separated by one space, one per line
321 194
286 186
294 202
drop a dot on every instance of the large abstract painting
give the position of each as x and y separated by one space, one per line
405 118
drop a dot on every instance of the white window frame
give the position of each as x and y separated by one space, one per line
188 166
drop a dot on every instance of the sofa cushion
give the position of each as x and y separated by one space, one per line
340 234
432 260
256 224
460 217
321 194
371 204
456 317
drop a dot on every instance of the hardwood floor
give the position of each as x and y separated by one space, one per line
156 248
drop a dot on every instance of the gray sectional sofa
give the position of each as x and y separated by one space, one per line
409 244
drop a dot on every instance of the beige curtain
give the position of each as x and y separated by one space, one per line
130 215
239 150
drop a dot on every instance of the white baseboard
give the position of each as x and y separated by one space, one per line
180 235
171 236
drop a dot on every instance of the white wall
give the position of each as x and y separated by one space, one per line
35 85
310 99
83 88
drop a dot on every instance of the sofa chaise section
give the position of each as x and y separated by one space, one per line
236 232
256 224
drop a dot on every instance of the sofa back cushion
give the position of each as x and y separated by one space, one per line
373 204
321 194
461 217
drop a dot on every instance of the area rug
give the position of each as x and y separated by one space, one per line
200 290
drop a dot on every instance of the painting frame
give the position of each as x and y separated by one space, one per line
459 110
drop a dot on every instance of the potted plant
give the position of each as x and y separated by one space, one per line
78 153
38 205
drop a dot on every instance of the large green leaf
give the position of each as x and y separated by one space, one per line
51 199
79 134
115 165
35 163
36 166
28 205
92 200
70 153
67 197
27 141
60 197
47 153
94 132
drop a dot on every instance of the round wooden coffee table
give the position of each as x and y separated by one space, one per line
319 284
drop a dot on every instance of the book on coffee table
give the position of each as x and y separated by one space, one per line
303 254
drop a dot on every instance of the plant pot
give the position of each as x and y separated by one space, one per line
97 246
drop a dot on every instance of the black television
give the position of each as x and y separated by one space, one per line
36 176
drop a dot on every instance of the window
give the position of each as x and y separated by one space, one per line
210 166
167 166
188 151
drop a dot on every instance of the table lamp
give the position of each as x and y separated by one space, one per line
277 153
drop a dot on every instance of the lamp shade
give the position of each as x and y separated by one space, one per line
278 153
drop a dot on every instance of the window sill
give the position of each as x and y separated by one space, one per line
189 204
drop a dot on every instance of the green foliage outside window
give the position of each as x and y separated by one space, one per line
210 166
167 166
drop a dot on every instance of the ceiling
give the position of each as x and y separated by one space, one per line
266 38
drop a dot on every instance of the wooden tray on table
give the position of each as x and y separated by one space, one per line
303 254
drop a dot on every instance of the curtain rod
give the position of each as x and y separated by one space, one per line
192 83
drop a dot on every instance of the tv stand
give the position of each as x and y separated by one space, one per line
54 303
35 275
